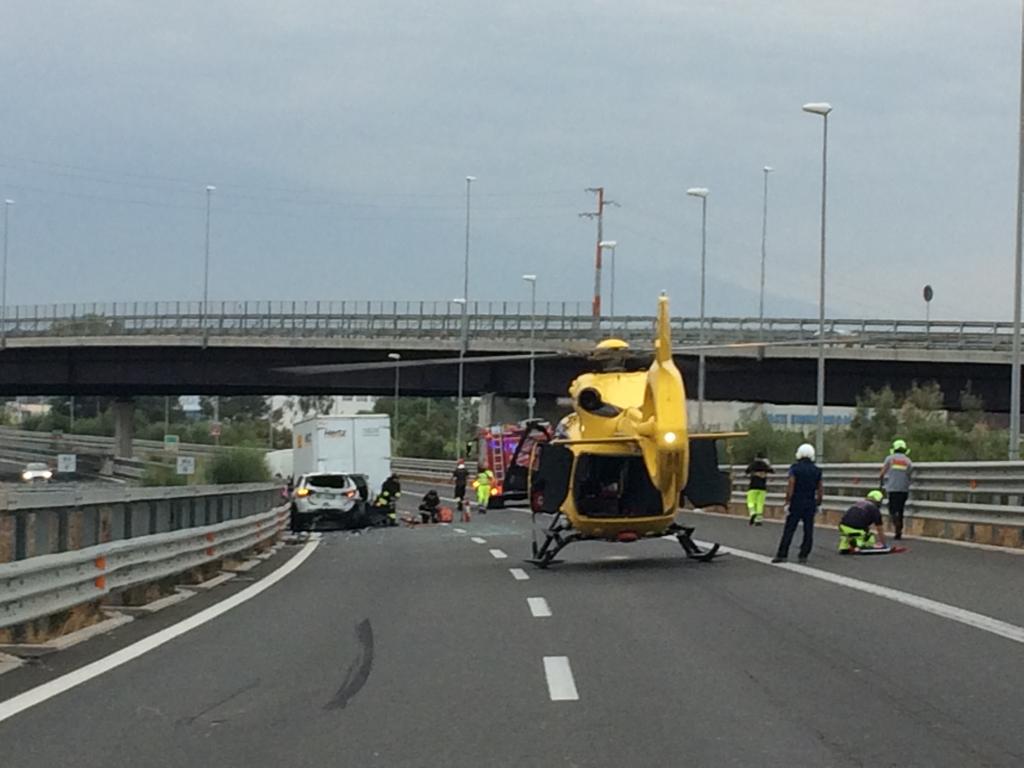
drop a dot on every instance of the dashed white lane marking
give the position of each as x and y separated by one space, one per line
55 687
478 540
951 612
497 554
561 686
519 574
459 530
539 607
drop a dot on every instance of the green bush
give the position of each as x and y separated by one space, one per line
163 474
242 465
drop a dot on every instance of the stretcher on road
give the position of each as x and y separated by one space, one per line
877 550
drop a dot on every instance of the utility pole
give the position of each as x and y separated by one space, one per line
602 202
1018 266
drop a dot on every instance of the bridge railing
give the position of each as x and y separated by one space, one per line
486 319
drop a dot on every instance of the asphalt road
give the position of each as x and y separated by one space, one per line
419 647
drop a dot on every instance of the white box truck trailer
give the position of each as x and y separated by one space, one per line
349 444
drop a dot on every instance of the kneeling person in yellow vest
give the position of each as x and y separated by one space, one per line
855 527
484 481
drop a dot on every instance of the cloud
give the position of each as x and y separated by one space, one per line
339 134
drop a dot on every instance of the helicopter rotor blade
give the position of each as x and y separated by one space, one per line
327 368
390 365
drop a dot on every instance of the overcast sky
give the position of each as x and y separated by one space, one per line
339 133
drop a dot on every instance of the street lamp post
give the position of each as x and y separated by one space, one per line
1018 261
764 250
822 109
396 357
463 346
609 245
702 193
206 267
462 378
531 399
3 281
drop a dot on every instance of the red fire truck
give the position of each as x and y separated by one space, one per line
507 450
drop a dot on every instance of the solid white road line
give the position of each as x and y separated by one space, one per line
55 687
561 686
478 540
930 539
497 554
946 611
539 607
519 574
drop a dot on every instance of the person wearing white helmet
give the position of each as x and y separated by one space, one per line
804 492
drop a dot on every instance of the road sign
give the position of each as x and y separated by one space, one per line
928 293
186 465
67 462
171 443
214 429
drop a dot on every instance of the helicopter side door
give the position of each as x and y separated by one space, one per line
707 485
550 481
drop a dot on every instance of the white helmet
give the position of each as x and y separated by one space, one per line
805 451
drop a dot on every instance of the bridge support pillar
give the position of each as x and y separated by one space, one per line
124 428
498 409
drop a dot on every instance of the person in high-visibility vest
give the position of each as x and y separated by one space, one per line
758 471
855 527
484 481
895 477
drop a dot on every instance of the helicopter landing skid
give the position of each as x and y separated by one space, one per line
685 537
554 542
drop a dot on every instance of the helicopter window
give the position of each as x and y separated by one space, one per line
615 486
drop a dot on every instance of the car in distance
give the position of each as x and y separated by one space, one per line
331 497
36 472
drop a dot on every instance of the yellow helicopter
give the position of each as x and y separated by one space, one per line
620 464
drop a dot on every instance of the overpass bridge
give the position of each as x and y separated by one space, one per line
166 348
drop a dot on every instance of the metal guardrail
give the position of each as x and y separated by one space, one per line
100 445
977 492
557 321
48 520
428 468
95 452
45 585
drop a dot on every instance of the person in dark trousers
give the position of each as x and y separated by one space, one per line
804 492
895 478
758 471
429 505
461 476
855 527
390 492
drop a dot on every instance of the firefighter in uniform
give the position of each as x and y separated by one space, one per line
390 493
460 475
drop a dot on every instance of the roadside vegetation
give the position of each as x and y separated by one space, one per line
917 416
